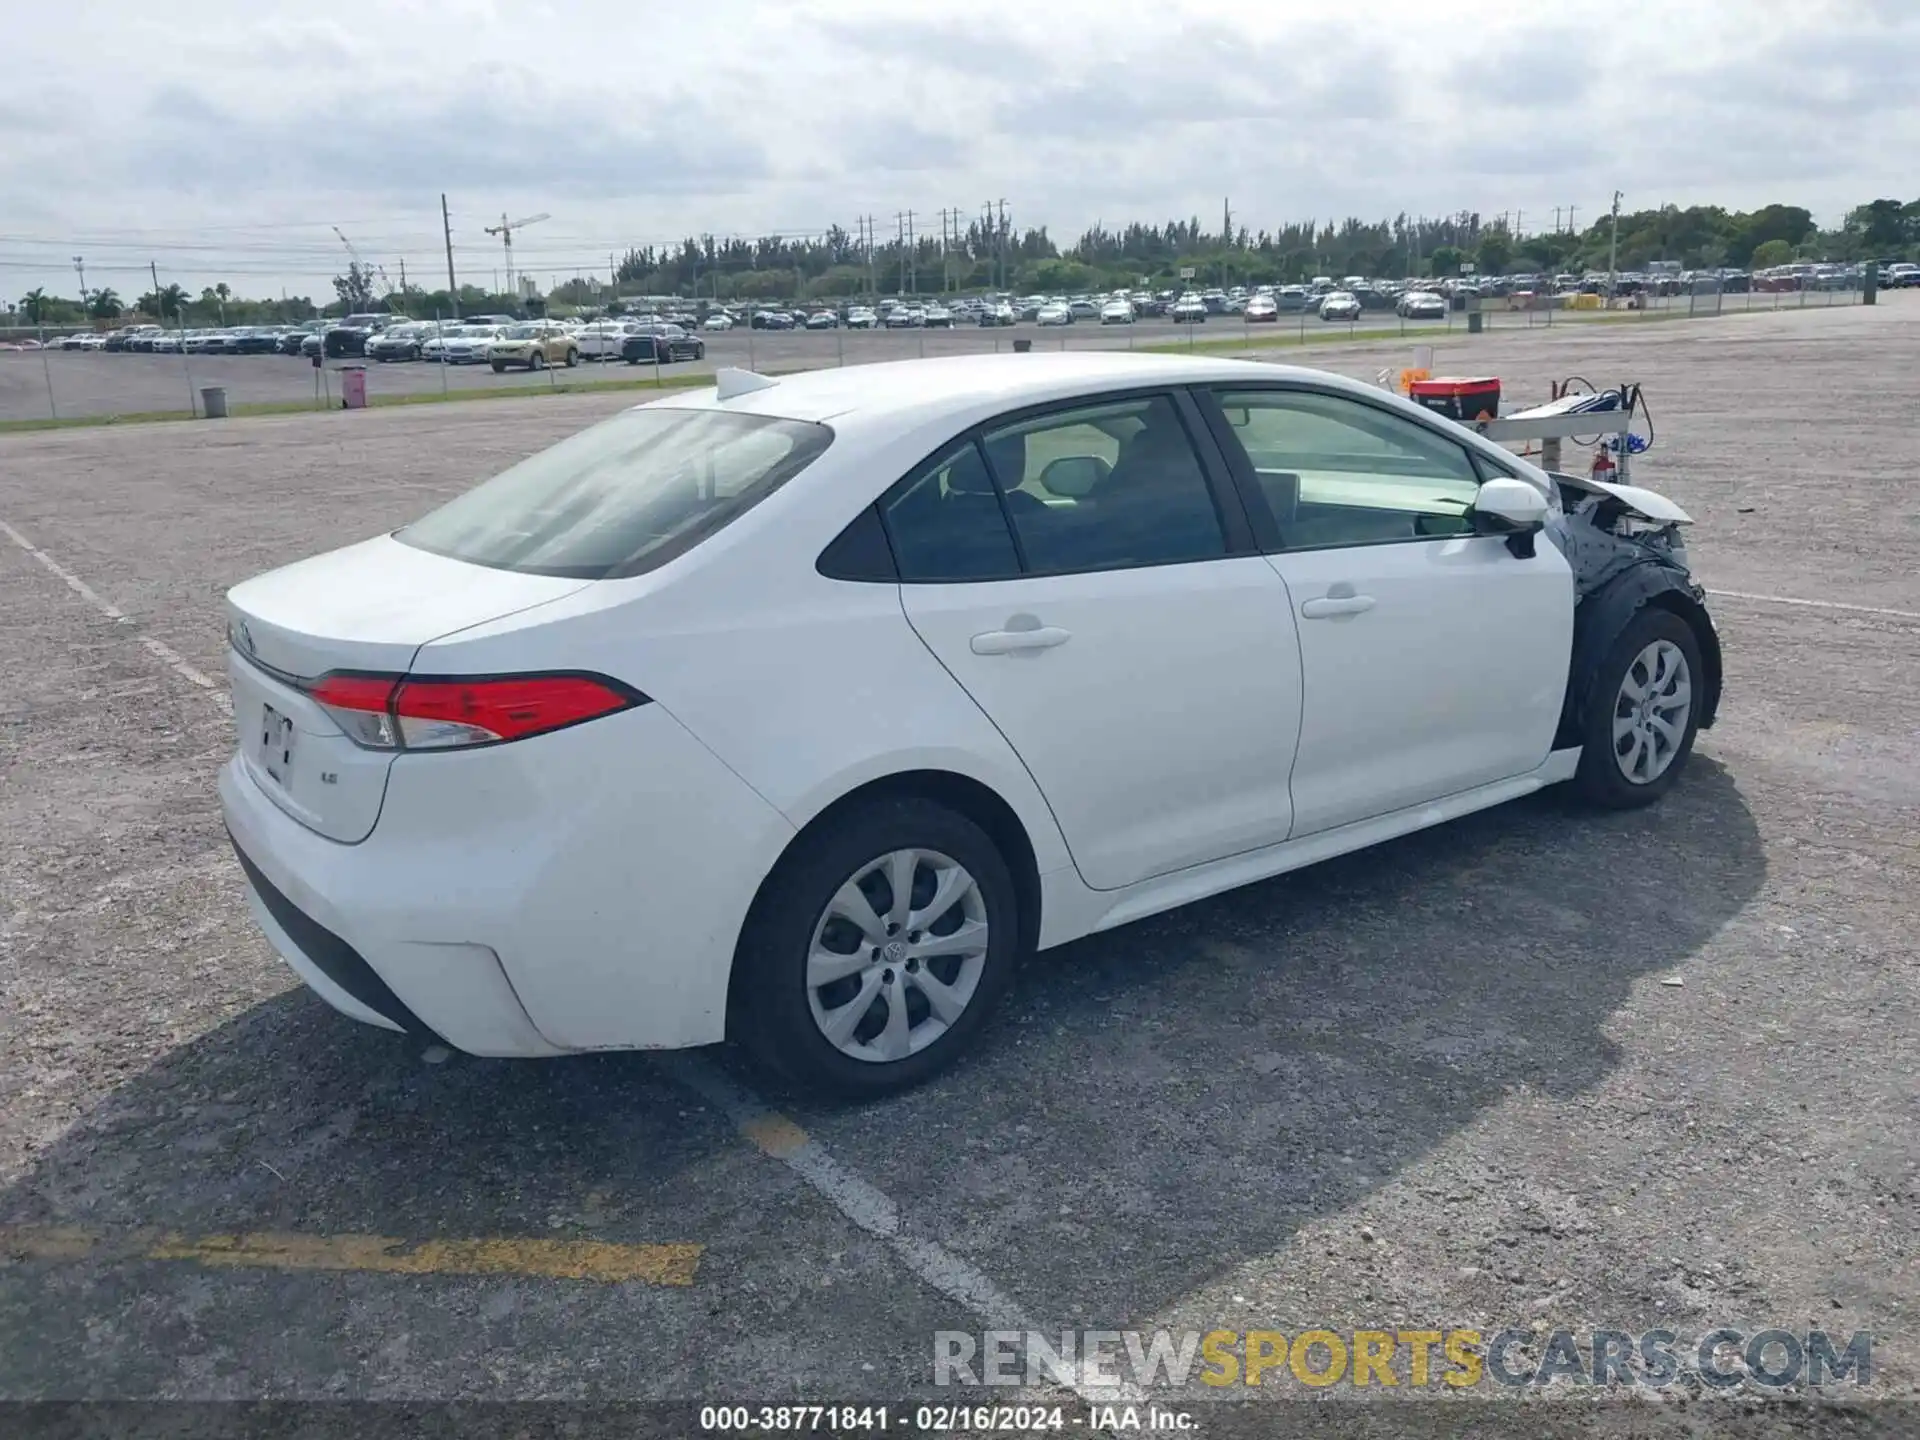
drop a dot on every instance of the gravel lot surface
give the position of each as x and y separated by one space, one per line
118 384
1445 1083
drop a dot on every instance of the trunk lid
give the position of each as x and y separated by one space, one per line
368 607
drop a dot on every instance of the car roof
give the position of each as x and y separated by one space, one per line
979 385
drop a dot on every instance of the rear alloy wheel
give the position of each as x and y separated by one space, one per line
1641 713
876 952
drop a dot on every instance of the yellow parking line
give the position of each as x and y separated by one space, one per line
595 1260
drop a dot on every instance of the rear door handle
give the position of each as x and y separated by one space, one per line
1329 606
1008 642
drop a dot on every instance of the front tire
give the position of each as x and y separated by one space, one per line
499 367
1641 713
573 358
537 362
877 950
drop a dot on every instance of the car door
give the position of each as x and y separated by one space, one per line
1092 584
1434 658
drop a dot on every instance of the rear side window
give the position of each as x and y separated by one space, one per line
623 497
946 522
1109 487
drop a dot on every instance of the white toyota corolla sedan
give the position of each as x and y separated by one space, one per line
799 710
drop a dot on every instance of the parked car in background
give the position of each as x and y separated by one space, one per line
1340 305
533 345
1116 312
996 315
937 317
1421 305
771 320
461 344
399 342
905 317
1188 310
1053 313
601 339
662 344
862 317
823 320
1260 310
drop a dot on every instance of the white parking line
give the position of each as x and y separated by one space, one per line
868 1208
159 649
1817 604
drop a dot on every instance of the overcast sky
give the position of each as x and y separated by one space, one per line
223 138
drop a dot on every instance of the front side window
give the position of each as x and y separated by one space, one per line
1336 471
623 497
1109 486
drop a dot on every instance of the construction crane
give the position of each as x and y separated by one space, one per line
371 271
505 231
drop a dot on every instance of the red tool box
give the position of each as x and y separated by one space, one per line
1457 398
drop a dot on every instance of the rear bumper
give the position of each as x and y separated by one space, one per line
586 893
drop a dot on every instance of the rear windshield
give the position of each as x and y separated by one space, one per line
623 497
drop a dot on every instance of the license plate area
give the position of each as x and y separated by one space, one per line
276 745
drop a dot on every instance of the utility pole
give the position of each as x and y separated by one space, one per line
80 266
159 308
403 277
1519 220
1613 246
1002 234
1571 230
1556 219
1226 222
446 228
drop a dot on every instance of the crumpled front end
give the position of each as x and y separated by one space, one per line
1627 549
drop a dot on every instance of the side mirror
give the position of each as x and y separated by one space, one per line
1512 508
1073 477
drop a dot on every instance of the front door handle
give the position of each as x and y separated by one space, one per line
1008 642
1331 605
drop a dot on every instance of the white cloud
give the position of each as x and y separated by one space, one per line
225 137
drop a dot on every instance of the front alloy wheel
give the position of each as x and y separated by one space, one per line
1650 712
1638 719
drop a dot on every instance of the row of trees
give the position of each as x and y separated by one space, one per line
992 254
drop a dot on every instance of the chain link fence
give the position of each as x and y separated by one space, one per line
68 375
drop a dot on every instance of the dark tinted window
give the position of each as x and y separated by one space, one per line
946 522
1106 487
623 497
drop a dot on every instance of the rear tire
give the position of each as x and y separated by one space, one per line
1635 736
958 878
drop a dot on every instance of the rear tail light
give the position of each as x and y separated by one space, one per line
450 712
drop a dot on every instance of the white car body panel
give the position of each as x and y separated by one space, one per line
1454 678
585 889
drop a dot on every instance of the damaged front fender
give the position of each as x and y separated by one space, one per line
1626 552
